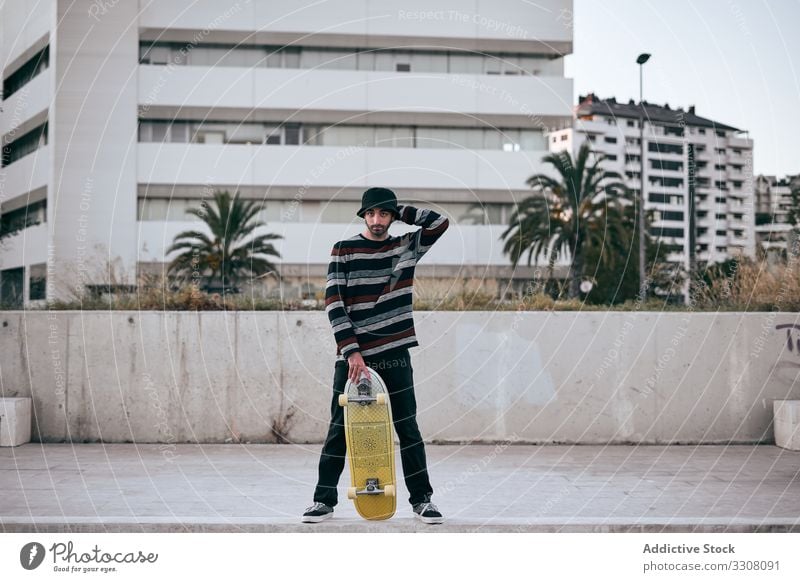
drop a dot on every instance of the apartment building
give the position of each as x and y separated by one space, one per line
119 116
722 172
773 201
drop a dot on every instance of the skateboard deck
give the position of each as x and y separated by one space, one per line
370 446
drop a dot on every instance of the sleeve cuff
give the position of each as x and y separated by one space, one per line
350 350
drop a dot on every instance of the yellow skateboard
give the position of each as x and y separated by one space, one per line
370 446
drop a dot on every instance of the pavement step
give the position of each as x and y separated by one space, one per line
479 488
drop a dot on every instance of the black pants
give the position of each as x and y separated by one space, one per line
395 369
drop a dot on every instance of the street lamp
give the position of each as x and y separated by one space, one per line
641 60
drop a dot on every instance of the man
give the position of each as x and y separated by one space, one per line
368 301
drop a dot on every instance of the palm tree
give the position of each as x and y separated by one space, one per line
226 257
587 209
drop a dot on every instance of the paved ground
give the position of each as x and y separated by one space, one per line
132 488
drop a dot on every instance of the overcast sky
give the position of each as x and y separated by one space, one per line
737 61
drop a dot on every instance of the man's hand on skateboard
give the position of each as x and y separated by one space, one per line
357 366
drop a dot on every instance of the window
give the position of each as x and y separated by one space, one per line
608 139
721 232
664 231
719 151
702 131
563 137
610 157
665 198
273 136
671 215
37 282
720 216
737 151
591 138
403 137
666 182
291 57
403 67
11 287
666 165
464 63
155 54
719 167
251 133
292 134
665 148
25 74
630 123
21 218
24 145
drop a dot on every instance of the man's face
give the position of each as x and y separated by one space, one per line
378 220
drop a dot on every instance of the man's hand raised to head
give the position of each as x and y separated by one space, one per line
357 365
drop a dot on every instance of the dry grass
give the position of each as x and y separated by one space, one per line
751 286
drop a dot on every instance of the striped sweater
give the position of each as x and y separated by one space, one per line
370 284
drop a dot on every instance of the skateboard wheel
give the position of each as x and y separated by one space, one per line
342 399
351 492
381 399
389 491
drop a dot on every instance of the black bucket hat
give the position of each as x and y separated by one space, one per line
379 198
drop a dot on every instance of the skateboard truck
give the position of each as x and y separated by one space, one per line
372 488
364 395
364 390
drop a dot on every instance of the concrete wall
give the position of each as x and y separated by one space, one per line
542 377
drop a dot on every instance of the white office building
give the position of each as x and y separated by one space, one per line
723 174
117 116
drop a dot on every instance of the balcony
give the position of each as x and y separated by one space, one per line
27 173
32 99
365 21
740 142
310 243
27 247
315 166
199 91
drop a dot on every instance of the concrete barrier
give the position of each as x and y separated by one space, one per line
787 424
15 421
541 377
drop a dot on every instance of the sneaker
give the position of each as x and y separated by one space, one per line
427 513
317 513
